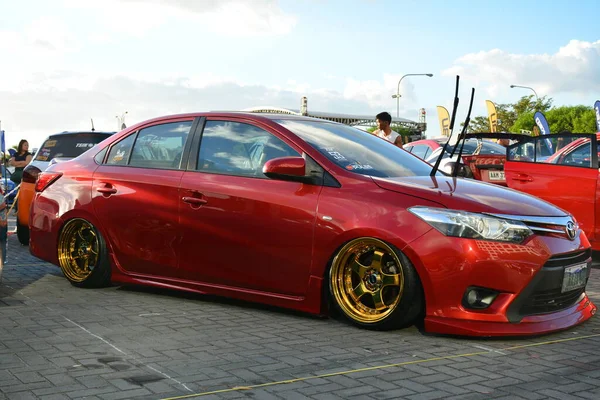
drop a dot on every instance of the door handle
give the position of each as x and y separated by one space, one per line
107 190
523 178
194 201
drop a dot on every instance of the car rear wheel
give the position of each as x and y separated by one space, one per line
375 286
23 233
82 254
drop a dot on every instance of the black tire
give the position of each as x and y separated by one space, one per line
23 233
80 234
409 303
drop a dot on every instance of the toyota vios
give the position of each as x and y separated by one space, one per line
310 214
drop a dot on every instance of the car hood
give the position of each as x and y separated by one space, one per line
470 195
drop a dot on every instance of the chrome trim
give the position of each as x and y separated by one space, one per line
562 221
537 228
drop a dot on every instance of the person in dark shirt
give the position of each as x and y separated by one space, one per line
20 160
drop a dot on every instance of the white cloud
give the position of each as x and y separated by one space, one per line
378 93
67 100
225 17
40 46
574 68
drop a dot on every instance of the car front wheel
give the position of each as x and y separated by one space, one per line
374 285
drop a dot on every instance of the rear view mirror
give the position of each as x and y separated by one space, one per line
287 169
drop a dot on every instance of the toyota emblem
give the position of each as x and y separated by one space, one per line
571 230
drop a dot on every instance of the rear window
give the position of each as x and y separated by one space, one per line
69 146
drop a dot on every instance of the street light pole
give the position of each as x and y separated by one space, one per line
527 87
397 95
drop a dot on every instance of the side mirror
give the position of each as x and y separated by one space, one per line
286 169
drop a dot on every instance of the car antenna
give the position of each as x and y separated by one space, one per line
93 129
463 135
451 128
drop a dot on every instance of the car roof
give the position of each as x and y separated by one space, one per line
232 114
54 135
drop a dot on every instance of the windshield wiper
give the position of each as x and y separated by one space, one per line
437 162
463 135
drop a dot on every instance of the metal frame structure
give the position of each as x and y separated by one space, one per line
347 119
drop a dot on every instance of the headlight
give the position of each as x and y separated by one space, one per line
472 225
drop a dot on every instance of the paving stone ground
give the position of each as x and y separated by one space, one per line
60 342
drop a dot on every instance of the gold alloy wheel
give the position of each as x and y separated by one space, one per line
78 249
367 280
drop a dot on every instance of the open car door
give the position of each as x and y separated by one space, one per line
561 169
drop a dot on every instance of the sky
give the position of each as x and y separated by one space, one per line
65 62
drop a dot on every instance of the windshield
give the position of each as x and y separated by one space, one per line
357 151
68 145
486 148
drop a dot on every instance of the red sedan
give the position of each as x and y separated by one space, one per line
310 214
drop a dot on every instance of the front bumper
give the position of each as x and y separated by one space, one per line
528 279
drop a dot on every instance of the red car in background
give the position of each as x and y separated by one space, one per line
563 170
423 148
305 213
481 159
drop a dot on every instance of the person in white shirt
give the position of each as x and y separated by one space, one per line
384 119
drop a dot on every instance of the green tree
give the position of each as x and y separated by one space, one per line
479 124
576 119
527 104
508 114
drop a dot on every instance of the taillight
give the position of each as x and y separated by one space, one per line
30 174
46 179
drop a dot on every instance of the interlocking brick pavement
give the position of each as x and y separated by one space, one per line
60 342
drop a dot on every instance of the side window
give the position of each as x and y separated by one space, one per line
235 148
100 156
580 156
160 146
427 152
523 152
420 150
119 152
572 150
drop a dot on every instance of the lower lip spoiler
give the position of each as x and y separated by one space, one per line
530 325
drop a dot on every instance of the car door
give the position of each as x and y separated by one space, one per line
561 169
135 194
240 228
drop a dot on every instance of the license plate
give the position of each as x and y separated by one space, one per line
574 277
496 175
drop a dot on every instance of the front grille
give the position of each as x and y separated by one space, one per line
546 301
543 294
562 260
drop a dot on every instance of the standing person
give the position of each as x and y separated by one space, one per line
20 160
384 119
